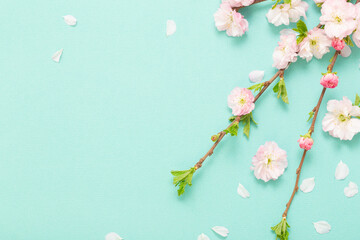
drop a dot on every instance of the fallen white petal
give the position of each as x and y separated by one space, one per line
70 20
346 51
203 237
351 190
242 191
342 171
222 231
56 57
256 76
307 185
322 227
112 236
170 27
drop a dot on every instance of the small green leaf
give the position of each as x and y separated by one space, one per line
300 38
256 87
311 115
280 89
348 41
233 129
183 178
232 118
287 1
246 120
281 230
301 26
357 100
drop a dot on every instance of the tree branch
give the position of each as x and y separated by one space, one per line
311 130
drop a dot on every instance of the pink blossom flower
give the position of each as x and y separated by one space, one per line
239 3
338 44
305 142
227 19
279 15
329 80
241 101
338 16
269 162
286 52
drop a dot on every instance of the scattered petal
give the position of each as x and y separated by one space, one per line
242 191
70 20
256 76
222 231
322 227
56 57
346 51
307 185
203 237
351 190
342 171
112 236
170 27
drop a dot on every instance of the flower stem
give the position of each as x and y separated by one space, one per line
237 119
311 130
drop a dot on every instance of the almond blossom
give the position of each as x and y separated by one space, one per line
338 18
339 121
239 3
287 12
329 80
356 34
227 19
269 162
241 101
286 52
315 44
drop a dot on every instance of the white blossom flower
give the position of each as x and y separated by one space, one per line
286 52
316 44
338 16
297 9
279 15
356 34
339 121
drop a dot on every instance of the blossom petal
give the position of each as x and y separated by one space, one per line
112 236
222 231
342 171
351 190
322 227
56 57
203 237
242 191
346 51
70 20
170 27
256 76
307 185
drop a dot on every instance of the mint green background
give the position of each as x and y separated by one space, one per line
87 145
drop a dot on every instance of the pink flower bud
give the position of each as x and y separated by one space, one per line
329 80
338 44
305 143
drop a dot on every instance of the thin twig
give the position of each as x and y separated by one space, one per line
237 120
311 130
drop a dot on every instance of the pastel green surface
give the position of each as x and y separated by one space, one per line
87 145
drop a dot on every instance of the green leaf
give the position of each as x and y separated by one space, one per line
246 120
232 118
348 41
287 1
183 178
301 26
256 87
280 89
300 38
357 100
233 129
311 115
281 230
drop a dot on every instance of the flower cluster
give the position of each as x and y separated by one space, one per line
289 11
339 19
